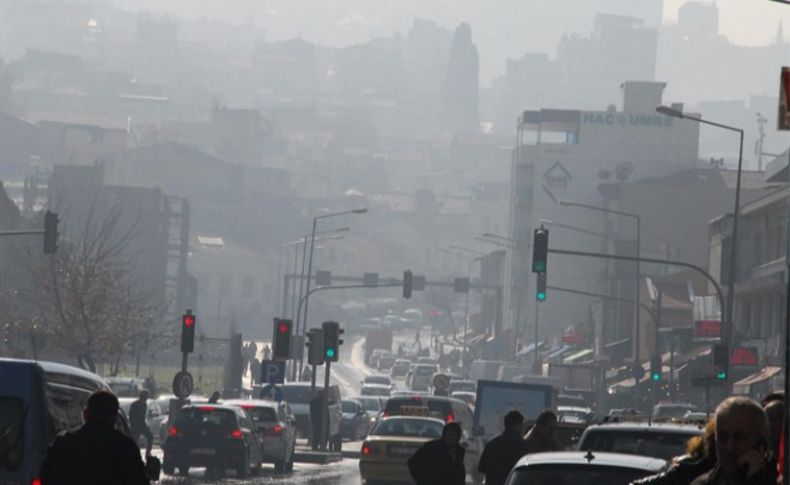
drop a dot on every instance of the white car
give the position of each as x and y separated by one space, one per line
381 379
583 468
275 424
376 390
646 438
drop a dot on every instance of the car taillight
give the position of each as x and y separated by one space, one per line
36 481
385 414
450 418
277 429
236 434
368 449
206 408
172 431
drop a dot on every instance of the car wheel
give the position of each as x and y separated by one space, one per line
289 465
168 468
279 466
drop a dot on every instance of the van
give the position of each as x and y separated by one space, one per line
38 400
297 395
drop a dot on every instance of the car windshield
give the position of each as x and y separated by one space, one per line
206 420
575 475
370 403
636 442
377 380
12 442
349 407
409 427
261 414
297 394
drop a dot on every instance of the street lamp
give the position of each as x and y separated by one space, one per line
360 210
728 312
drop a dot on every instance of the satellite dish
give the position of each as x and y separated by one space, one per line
623 170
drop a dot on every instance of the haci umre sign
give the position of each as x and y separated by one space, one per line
705 330
744 356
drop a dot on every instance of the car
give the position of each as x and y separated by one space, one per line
385 361
356 421
374 406
38 400
696 416
572 400
275 424
126 386
583 468
672 410
378 379
386 450
420 376
461 385
572 414
446 409
298 397
647 438
467 397
373 361
375 390
153 419
427 360
216 437
406 392
400 368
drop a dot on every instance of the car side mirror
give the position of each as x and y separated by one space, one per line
479 431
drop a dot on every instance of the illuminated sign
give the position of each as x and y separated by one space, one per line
707 330
744 356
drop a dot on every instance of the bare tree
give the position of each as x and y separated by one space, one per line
92 302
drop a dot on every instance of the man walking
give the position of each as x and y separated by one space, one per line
541 437
501 453
137 414
741 446
440 461
96 452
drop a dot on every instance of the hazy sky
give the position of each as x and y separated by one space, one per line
745 22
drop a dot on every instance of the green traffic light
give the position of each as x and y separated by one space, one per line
539 266
330 353
541 296
721 376
656 377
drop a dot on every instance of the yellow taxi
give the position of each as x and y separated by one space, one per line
386 450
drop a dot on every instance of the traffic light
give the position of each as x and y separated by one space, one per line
655 369
540 291
332 341
721 362
540 250
315 346
408 282
50 232
281 340
188 332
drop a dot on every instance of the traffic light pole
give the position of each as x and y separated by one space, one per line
325 407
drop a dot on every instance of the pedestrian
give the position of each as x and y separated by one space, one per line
96 452
502 453
138 411
741 446
774 407
440 461
214 399
541 437
253 350
267 352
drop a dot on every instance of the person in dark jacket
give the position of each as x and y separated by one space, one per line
138 411
95 453
540 438
501 453
441 461
741 446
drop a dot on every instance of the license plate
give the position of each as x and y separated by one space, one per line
203 451
414 410
402 450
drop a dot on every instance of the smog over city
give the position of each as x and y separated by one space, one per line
226 196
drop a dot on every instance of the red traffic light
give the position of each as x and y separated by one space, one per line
283 328
189 320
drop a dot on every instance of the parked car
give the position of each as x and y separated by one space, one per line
400 368
583 468
646 438
153 418
275 424
389 445
297 395
126 386
356 421
216 437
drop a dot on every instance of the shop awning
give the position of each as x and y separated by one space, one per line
577 356
744 385
528 349
558 351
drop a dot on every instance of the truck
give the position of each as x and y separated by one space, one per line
574 376
377 338
497 398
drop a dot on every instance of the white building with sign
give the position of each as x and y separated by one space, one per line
573 155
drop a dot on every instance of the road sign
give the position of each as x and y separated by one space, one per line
441 382
183 384
271 392
273 372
